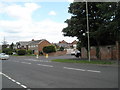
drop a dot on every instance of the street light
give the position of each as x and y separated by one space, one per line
88 34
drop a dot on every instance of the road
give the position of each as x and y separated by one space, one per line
30 72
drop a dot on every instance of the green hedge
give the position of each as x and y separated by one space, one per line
49 49
21 52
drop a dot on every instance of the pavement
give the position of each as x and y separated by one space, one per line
32 72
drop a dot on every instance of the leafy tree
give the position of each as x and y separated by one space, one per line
11 46
103 22
49 49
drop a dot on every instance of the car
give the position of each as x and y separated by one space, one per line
4 56
76 53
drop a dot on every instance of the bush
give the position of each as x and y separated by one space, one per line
29 51
61 49
21 52
7 51
49 49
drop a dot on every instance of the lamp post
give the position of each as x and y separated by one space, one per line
88 34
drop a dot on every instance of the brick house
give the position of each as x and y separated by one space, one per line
37 45
67 45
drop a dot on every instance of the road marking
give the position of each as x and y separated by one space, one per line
82 69
18 83
37 60
15 61
94 71
74 69
45 65
25 62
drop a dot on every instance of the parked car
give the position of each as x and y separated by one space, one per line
4 56
76 53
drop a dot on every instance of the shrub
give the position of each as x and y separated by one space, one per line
49 49
7 51
29 51
61 49
21 52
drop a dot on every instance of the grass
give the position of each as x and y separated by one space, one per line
83 61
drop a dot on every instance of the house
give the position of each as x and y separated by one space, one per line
22 45
67 45
37 45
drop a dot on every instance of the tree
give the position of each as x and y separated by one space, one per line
103 22
12 46
49 49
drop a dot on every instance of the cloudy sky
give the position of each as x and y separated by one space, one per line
24 21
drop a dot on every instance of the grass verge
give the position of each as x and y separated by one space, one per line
83 61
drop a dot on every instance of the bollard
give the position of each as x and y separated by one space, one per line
46 55
36 56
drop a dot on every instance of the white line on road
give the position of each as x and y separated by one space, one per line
82 69
25 62
18 83
45 65
94 71
74 69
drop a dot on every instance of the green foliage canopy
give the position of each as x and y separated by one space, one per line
103 22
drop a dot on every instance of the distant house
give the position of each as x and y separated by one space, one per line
67 45
22 45
37 45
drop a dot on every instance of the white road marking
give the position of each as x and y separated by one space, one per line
82 69
18 83
45 65
37 60
15 61
74 69
94 71
25 62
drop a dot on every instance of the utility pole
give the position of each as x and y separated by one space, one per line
88 34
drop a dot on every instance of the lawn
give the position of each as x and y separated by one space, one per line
83 61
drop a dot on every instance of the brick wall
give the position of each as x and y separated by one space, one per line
110 52
58 53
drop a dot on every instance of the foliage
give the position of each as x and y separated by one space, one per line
11 46
103 22
98 52
29 51
49 49
21 52
79 46
61 48
7 51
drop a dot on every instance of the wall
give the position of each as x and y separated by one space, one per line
110 52
58 53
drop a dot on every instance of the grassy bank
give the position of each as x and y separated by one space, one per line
83 61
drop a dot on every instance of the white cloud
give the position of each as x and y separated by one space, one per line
25 29
19 11
71 1
52 13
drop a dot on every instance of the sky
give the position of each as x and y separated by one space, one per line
24 21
